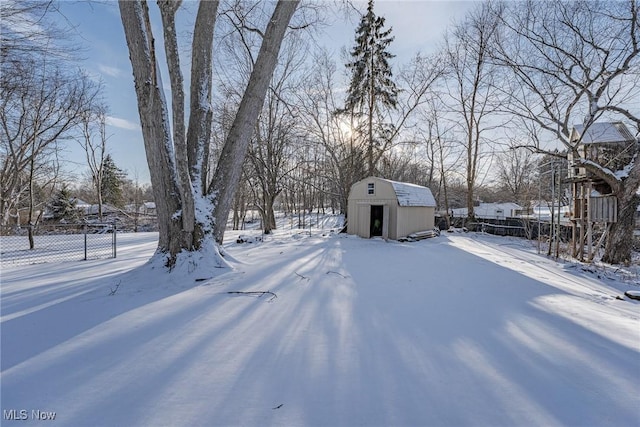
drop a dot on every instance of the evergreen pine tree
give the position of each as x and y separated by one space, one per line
63 206
371 86
112 181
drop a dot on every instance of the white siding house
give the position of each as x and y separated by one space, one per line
390 209
491 211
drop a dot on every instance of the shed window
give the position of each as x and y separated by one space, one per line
371 188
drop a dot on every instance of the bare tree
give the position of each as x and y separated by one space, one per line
36 115
576 63
241 201
410 163
93 140
227 174
176 160
41 101
344 147
440 142
269 158
470 81
27 33
515 170
278 131
417 81
270 150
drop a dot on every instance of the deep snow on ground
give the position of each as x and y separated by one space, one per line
458 330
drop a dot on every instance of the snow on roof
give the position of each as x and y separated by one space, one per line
80 203
601 133
94 209
412 194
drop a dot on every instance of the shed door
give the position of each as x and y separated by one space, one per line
364 220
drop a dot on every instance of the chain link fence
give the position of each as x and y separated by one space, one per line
56 243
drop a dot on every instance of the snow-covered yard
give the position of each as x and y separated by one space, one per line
452 331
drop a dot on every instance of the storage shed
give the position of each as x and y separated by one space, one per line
389 209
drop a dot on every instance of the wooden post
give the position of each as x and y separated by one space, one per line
602 238
589 224
559 229
574 226
553 204
582 224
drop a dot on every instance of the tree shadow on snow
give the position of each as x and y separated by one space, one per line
362 333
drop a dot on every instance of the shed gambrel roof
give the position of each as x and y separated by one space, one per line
412 194
602 133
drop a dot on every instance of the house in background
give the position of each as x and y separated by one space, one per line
148 208
491 211
389 209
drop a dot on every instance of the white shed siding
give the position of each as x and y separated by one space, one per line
363 222
392 221
360 202
414 218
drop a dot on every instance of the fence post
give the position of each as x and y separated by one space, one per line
114 239
84 227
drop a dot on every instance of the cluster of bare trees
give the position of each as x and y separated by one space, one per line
49 106
43 99
571 63
263 119
505 86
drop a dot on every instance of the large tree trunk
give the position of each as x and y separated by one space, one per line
154 120
168 10
620 242
268 215
32 201
176 161
470 202
228 172
200 109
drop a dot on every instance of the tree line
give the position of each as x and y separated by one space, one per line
487 116
265 120
47 104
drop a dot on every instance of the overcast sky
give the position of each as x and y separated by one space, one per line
418 26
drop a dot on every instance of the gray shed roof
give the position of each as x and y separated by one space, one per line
602 133
412 194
